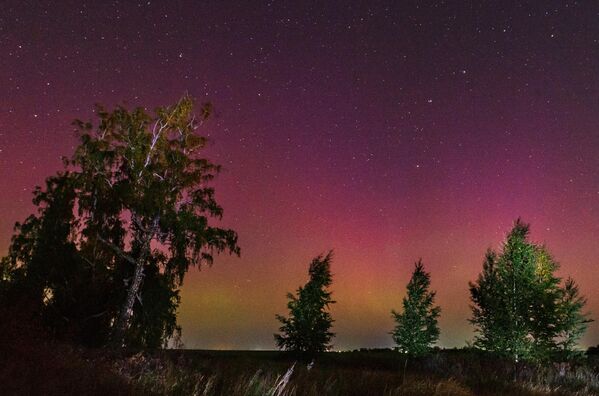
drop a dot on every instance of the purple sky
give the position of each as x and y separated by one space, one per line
388 132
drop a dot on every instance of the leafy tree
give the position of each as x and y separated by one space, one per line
123 223
416 327
573 321
520 308
307 329
153 171
45 271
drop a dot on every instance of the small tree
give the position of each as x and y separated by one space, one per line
416 327
307 329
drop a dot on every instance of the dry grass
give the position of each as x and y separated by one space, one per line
32 365
358 373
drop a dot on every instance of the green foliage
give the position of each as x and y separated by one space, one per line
117 231
47 273
573 321
416 327
520 310
307 329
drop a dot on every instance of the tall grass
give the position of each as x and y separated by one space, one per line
31 364
360 373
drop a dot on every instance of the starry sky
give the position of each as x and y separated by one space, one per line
385 130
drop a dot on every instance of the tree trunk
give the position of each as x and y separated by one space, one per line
124 319
405 365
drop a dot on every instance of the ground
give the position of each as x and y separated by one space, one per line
32 364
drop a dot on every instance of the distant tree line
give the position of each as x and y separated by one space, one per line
102 260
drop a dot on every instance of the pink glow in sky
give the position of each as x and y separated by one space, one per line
386 132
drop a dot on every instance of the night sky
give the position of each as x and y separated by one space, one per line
385 131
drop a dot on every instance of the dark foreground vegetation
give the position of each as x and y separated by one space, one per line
448 372
31 364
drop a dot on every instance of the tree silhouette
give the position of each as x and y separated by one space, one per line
128 217
416 327
45 271
307 329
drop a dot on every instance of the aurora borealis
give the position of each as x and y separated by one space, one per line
387 132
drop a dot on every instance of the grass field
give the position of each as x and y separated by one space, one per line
447 372
30 364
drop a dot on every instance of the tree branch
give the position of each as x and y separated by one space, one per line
118 250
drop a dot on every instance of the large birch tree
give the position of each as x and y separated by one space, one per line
139 189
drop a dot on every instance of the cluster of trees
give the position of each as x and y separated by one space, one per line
102 261
116 231
520 308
